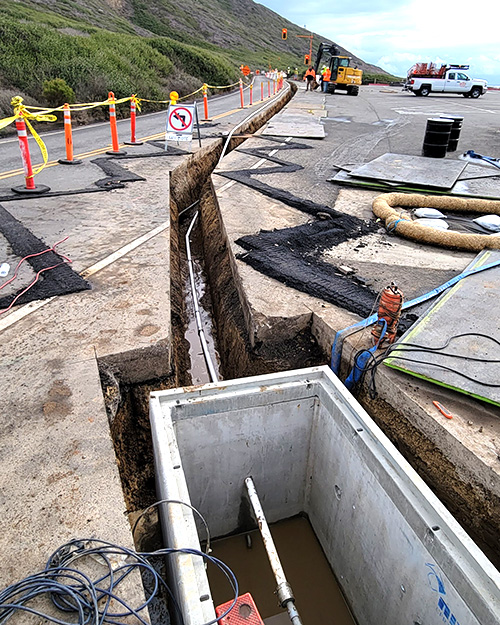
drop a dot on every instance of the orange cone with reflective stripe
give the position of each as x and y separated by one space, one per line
133 112
115 151
30 186
68 138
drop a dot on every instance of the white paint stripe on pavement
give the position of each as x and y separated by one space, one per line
27 309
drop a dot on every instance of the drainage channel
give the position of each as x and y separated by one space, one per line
200 332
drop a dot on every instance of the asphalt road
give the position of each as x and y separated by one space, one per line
95 138
386 119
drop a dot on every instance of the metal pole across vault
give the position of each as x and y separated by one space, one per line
283 589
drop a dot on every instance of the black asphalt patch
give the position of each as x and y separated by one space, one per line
59 281
247 177
292 256
116 177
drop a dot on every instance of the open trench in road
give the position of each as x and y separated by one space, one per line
128 405
235 352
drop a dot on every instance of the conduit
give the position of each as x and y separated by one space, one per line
388 206
283 588
199 325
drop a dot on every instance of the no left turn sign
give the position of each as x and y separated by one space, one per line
180 119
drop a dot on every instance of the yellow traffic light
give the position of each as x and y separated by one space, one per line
284 33
307 59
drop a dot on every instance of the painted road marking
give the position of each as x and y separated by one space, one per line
27 309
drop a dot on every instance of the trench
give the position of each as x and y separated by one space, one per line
237 352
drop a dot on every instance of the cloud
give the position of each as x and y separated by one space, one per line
394 35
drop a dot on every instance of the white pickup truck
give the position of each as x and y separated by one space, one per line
452 81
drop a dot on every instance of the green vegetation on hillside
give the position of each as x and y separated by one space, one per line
147 47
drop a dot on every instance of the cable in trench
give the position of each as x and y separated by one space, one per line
212 371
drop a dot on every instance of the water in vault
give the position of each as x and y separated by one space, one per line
318 596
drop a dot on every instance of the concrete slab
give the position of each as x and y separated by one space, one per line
298 122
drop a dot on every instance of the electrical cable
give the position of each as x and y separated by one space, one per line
32 283
183 503
374 362
49 249
73 592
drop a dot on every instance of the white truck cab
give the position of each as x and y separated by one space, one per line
451 80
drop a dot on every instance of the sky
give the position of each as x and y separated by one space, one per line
395 34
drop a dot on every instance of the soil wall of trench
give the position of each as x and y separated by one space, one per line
470 501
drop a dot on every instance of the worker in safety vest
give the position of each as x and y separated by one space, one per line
310 77
327 74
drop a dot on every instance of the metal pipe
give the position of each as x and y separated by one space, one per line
283 588
224 149
201 333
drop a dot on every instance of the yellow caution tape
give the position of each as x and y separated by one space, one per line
21 110
8 120
224 86
40 143
137 101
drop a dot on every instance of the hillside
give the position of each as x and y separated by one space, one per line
148 47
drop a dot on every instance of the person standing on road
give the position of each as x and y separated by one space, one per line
327 74
310 77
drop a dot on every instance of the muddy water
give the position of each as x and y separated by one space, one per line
318 597
198 369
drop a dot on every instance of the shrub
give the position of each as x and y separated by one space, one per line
57 92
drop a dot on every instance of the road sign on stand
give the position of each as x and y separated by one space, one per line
180 123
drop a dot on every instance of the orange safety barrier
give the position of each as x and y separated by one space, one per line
241 94
68 138
115 151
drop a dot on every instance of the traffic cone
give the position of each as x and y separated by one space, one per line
68 137
133 107
115 151
30 186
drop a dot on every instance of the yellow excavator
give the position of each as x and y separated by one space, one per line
343 75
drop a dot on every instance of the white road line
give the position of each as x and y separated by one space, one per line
27 309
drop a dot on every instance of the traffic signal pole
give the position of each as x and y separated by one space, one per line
310 37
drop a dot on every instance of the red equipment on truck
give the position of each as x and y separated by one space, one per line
431 70
426 78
